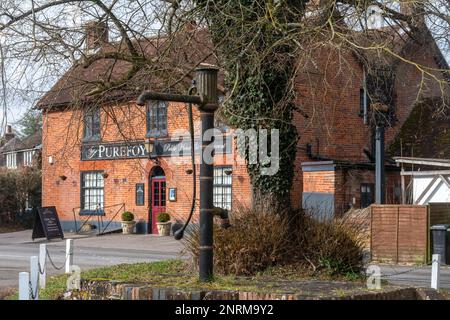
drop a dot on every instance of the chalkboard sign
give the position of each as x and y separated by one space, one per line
46 224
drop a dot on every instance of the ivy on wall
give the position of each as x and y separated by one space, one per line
260 59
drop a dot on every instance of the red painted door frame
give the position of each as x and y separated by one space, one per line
158 196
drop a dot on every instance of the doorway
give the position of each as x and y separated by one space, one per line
157 195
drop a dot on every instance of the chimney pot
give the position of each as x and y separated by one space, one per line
9 134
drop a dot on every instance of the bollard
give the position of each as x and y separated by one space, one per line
34 277
69 255
435 270
24 289
42 265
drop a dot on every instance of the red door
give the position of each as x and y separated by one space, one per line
158 200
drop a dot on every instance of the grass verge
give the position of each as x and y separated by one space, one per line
178 274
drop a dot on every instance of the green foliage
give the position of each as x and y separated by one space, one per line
31 122
15 187
127 216
163 217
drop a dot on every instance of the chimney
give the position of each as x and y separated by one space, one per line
9 134
96 35
413 9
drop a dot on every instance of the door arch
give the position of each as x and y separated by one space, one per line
157 188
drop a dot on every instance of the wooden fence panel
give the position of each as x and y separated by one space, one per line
384 233
412 235
399 233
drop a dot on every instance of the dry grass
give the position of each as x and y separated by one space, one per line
259 240
255 242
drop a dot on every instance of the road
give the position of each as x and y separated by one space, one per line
93 252
89 252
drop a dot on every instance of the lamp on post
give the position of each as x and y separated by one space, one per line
149 147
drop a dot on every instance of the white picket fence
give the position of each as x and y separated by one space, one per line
31 282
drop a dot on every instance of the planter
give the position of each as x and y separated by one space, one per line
128 227
164 228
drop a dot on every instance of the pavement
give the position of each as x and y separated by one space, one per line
90 251
415 276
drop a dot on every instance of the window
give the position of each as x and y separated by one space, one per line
367 194
92 192
140 194
28 158
11 160
92 125
156 119
222 187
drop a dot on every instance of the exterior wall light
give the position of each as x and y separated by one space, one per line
51 160
149 147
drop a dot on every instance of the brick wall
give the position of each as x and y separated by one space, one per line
328 94
62 131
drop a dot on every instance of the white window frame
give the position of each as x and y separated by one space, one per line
11 160
222 187
28 157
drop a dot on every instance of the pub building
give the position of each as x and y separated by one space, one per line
96 156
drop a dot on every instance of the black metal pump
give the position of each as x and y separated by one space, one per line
207 101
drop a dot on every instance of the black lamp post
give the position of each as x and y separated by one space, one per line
381 116
207 101
380 177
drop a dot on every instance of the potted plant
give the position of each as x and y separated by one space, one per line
128 222
163 224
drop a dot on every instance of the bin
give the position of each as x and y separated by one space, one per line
441 241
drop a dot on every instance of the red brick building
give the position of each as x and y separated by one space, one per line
94 158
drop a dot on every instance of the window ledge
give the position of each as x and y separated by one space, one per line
85 212
159 134
90 139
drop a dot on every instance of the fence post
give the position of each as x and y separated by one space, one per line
34 277
42 265
435 270
24 289
69 255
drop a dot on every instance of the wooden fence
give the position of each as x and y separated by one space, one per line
401 233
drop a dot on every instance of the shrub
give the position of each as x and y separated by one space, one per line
163 217
259 240
254 242
16 186
331 245
127 216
